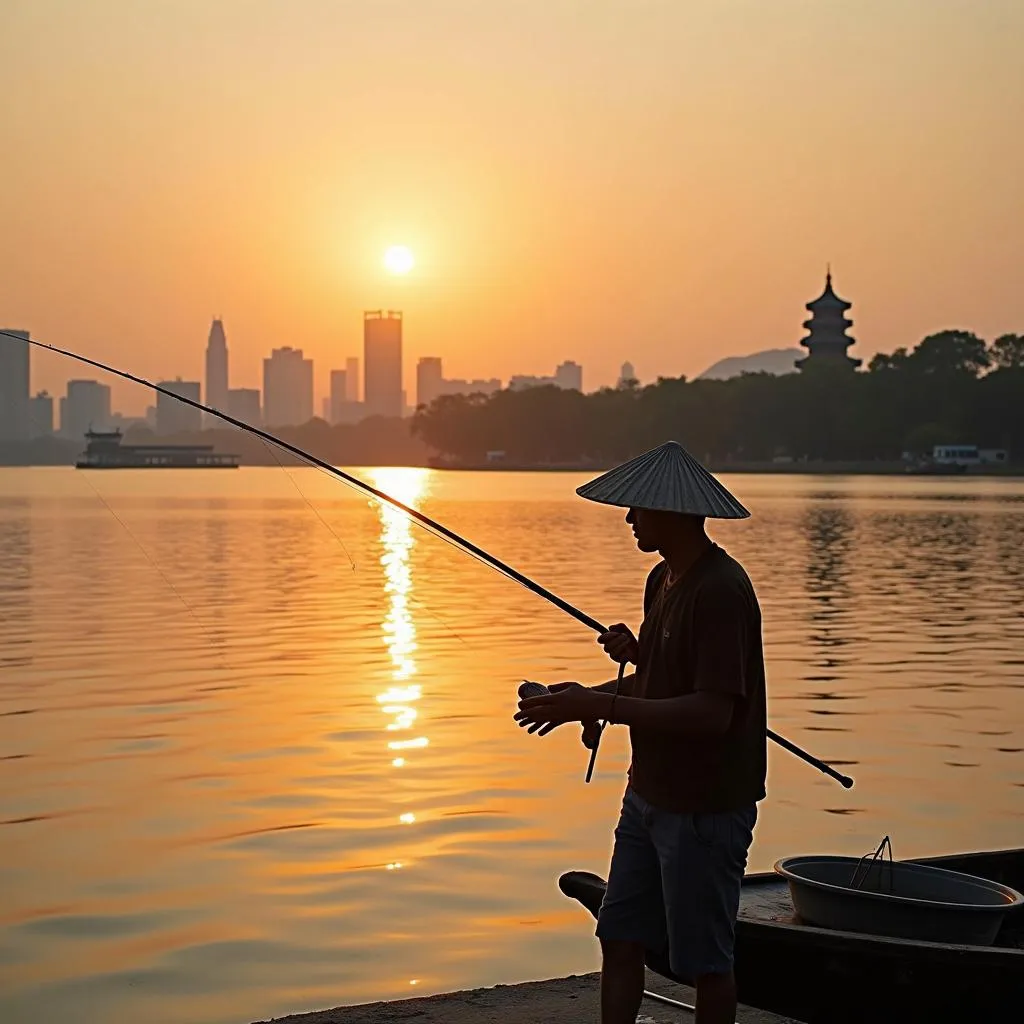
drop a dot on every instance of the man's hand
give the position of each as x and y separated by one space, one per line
567 702
619 643
591 734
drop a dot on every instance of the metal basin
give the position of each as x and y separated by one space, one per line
901 899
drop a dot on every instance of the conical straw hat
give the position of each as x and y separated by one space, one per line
667 478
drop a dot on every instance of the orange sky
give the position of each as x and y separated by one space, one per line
655 180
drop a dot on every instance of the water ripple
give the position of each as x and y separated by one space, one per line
287 783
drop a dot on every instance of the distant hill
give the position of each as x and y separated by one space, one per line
774 360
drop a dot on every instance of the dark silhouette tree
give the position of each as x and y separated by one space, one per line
1008 352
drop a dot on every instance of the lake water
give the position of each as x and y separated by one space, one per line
256 745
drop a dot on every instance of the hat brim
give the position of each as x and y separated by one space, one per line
665 479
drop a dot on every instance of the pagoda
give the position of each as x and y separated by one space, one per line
827 340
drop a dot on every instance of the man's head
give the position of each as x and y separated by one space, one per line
658 530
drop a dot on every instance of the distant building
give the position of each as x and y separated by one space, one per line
216 371
827 340
968 455
382 363
14 386
568 376
174 417
244 405
118 421
429 380
431 383
40 415
521 381
352 379
86 406
339 407
626 374
338 397
287 388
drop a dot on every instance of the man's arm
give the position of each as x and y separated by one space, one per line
625 687
704 713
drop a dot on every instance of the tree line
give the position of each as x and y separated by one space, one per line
952 388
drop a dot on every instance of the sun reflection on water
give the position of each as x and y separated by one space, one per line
398 629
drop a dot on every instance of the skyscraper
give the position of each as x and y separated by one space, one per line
287 388
626 374
382 360
339 396
429 380
216 371
244 405
174 417
352 379
14 386
85 407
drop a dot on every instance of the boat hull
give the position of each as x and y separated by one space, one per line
821 976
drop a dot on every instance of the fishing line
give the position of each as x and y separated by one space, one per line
312 507
425 523
152 561
468 546
426 609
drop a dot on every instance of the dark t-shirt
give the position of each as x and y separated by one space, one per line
702 633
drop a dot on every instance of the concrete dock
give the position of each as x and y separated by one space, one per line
571 1000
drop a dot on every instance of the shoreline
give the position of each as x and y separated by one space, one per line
887 469
759 468
571 1000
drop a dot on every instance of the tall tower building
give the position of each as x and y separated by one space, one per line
827 340
287 388
216 371
352 379
626 374
429 380
382 362
14 386
339 396
174 417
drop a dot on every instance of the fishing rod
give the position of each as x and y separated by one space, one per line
415 514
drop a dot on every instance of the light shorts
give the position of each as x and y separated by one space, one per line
675 880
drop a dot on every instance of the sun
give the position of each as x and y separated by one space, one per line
399 259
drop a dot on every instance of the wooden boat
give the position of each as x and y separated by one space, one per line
824 976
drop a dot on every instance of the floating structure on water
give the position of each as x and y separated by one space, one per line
104 450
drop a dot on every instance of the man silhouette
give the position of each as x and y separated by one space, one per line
695 709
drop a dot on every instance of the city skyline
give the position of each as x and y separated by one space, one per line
52 374
294 394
